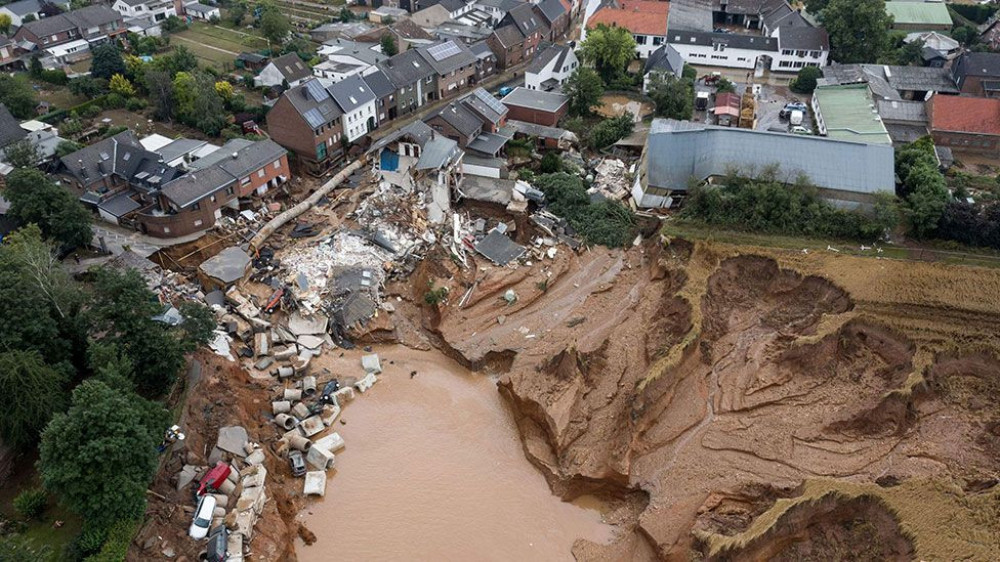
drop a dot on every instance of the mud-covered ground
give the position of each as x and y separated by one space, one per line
733 403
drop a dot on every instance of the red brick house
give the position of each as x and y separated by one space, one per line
516 37
964 124
535 106
307 121
89 23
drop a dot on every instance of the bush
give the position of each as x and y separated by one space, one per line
767 205
433 296
116 544
610 131
978 13
57 77
135 104
608 223
31 503
114 101
551 163
805 82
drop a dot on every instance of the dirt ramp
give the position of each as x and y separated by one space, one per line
833 528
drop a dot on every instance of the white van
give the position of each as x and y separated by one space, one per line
796 117
202 517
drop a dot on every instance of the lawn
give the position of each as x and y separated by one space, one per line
58 96
42 532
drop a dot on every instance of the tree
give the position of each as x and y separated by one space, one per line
197 102
816 6
274 26
551 163
389 47
805 81
609 223
173 23
908 53
724 86
107 61
5 23
17 95
609 49
674 98
199 323
121 86
161 93
966 35
100 456
35 67
67 147
88 87
224 89
858 30
36 199
38 300
237 12
123 308
21 154
30 392
610 131
584 89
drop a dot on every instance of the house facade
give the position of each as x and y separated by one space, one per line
550 70
286 69
530 25
307 121
92 24
977 74
454 64
159 10
538 107
415 81
357 103
486 61
965 124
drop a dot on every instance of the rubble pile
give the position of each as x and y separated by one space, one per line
611 180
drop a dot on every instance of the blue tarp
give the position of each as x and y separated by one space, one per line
389 161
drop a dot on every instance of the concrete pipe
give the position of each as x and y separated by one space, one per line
301 411
227 487
309 386
281 407
285 421
293 394
285 372
300 443
221 500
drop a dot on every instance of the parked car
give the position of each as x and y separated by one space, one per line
800 130
504 91
202 517
796 117
218 545
790 107
297 463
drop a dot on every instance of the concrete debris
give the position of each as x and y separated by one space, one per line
366 383
260 344
285 421
498 248
510 296
300 410
330 413
256 457
315 483
611 181
264 363
186 476
371 364
292 394
308 386
231 439
312 425
300 325
224 269
333 442
281 407
220 344
320 458
310 342
299 443
284 353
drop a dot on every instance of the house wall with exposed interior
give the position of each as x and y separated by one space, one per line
261 180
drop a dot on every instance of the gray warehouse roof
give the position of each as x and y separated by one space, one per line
535 99
679 150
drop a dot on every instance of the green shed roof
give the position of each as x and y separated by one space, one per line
918 13
848 113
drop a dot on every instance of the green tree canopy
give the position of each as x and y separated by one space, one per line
609 49
100 456
674 98
30 393
608 223
858 29
34 198
198 103
805 81
21 154
584 89
123 309
107 61
274 25
17 95
5 23
389 47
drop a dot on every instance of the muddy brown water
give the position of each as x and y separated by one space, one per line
434 470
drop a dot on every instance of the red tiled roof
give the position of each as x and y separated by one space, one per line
727 104
967 115
641 17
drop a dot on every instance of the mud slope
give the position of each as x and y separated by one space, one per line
705 385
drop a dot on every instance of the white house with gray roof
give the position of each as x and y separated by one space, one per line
287 68
159 10
846 173
357 102
551 68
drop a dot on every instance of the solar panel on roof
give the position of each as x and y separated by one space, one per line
444 50
489 100
313 117
316 90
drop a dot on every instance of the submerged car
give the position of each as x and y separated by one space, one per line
202 517
297 463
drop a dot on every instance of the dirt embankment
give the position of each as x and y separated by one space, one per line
703 389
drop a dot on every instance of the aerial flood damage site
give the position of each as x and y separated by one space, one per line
499 280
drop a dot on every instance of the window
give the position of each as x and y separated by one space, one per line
229 191
277 164
657 40
786 51
198 222
212 199
800 53
245 180
640 39
260 173
196 206
784 64
320 152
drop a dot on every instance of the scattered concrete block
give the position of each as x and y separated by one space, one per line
234 548
215 456
285 421
315 483
249 447
221 500
371 363
227 487
231 439
284 353
309 342
301 411
256 457
293 394
264 363
252 480
311 426
300 443
219 512
309 386
285 372
300 325
260 344
321 459
244 523
330 413
186 476
333 442
366 383
301 363
346 393
281 407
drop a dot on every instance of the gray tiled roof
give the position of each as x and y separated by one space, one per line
191 188
52 25
902 110
351 93
10 129
508 35
803 38
551 10
665 59
527 20
251 158
92 16
291 67
24 7
437 152
406 68
546 56
463 119
462 57
976 64
379 84
304 99
731 40
676 151
121 156
417 130
481 50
